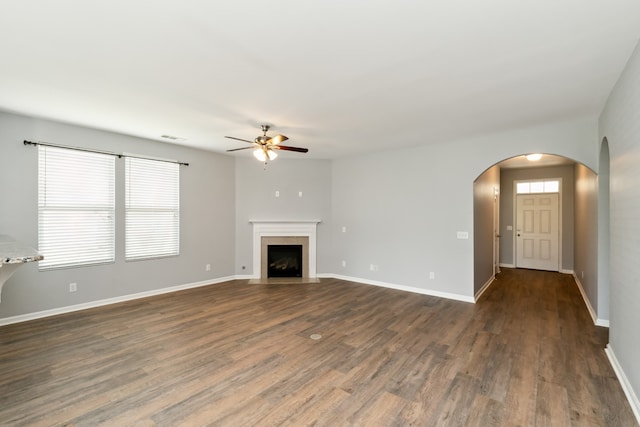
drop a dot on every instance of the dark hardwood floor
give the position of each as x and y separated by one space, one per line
236 354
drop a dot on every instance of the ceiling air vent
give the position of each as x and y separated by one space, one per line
173 138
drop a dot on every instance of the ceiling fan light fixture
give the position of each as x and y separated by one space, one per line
260 155
265 147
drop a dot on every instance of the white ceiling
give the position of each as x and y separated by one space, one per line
336 76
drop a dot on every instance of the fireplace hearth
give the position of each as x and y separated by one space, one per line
284 261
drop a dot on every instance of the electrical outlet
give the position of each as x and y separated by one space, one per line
73 287
207 267
344 263
344 228
299 193
277 193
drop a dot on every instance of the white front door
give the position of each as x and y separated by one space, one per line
537 231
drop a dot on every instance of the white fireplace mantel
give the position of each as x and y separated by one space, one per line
279 228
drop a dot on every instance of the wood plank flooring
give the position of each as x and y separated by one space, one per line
236 354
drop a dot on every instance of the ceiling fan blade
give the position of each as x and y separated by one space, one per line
277 139
238 149
239 139
286 148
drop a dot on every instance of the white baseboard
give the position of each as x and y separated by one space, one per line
624 382
507 265
99 303
563 271
422 291
592 312
484 288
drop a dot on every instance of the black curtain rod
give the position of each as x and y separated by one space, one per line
88 150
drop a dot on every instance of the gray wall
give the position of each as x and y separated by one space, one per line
207 219
603 233
586 233
507 177
401 211
620 124
255 200
484 199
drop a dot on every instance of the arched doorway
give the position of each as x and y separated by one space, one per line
505 174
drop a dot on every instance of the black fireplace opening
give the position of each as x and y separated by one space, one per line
284 261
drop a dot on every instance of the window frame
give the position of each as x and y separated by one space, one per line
76 191
544 182
144 199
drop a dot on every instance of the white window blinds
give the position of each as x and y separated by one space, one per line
152 208
75 207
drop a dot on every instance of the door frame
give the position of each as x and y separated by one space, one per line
496 231
515 213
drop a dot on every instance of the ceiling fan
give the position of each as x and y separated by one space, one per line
265 147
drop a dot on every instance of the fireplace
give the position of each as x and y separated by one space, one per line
301 234
284 244
284 261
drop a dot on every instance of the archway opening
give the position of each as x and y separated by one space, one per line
497 186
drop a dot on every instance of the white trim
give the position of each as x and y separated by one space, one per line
484 288
624 382
592 312
422 291
295 228
507 265
130 297
288 221
108 301
565 271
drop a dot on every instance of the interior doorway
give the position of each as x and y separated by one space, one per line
494 211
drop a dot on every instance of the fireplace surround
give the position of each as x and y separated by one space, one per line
296 232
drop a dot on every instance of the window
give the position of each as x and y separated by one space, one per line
525 187
75 208
152 206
